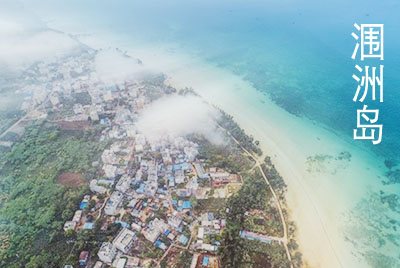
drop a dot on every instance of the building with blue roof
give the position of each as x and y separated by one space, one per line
82 205
88 226
200 171
183 239
140 190
186 204
161 245
205 261
255 236
162 191
182 166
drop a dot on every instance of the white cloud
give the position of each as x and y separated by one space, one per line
176 115
112 66
27 48
24 40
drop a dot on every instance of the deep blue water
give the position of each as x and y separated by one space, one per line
297 53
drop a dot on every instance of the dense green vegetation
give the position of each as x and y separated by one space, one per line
238 133
238 252
185 259
215 205
254 197
33 207
10 103
8 118
228 157
274 177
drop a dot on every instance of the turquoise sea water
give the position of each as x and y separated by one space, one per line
297 53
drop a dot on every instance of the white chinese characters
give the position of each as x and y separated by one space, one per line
369 79
369 124
371 41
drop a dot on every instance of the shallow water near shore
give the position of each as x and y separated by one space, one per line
284 72
335 196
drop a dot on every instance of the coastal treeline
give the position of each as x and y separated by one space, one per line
276 180
238 252
226 121
252 208
226 156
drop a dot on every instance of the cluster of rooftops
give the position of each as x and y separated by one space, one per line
150 188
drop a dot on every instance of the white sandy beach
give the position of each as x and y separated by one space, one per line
320 201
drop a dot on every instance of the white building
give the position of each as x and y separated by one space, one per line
110 171
77 216
107 252
109 157
69 225
113 205
124 240
175 221
200 233
157 227
208 247
78 108
97 188
94 116
121 263
124 184
179 176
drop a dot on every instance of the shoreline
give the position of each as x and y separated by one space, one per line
231 94
281 160
285 224
322 203
342 197
312 199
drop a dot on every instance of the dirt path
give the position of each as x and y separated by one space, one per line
14 125
284 239
26 116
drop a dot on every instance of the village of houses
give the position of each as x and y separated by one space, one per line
155 185
133 169
183 228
